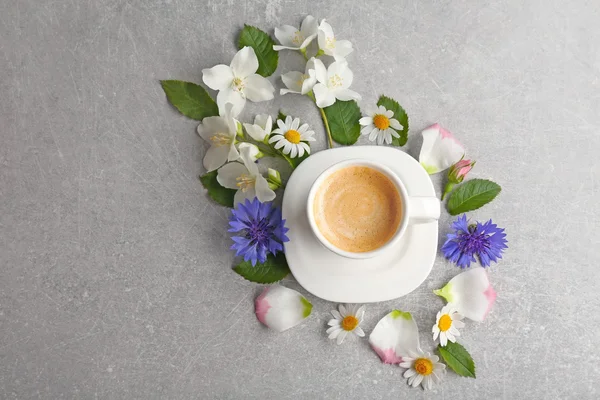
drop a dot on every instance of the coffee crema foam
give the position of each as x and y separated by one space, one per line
357 209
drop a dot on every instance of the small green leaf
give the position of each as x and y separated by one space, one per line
472 195
217 192
343 119
458 359
400 115
263 47
190 99
272 270
280 116
401 314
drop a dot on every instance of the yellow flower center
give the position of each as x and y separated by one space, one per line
298 38
220 139
335 81
349 323
292 136
445 323
330 42
423 366
245 182
381 122
238 84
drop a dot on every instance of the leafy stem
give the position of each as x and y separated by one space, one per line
303 51
325 120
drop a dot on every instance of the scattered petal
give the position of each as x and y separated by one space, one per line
281 308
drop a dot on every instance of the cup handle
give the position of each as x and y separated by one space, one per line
424 208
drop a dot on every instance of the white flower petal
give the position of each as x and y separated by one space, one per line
388 113
469 293
228 174
324 97
333 322
342 49
264 121
255 132
218 77
336 314
417 380
231 96
346 94
258 88
244 63
340 68
215 157
395 124
365 121
211 126
334 333
293 151
309 26
241 196
374 134
440 150
395 335
443 339
263 191
359 332
341 337
293 81
285 36
320 71
250 148
281 308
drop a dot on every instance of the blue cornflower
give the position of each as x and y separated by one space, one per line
260 230
486 241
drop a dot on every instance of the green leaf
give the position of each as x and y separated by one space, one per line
458 358
343 119
272 270
190 99
472 195
263 47
400 115
280 116
217 192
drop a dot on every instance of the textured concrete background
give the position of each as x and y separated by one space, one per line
115 277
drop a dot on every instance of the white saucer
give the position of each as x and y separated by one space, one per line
329 276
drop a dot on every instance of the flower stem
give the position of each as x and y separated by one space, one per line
325 120
303 51
447 189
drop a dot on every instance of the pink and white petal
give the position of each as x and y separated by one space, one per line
211 126
285 36
293 80
324 97
228 174
287 308
346 94
258 88
218 77
244 63
396 331
342 49
215 157
230 96
439 150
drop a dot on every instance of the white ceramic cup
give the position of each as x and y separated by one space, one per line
413 208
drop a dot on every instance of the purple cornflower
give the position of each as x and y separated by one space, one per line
486 241
260 230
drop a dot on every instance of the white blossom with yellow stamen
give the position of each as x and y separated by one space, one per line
291 138
379 125
292 38
330 45
333 83
298 82
245 178
220 132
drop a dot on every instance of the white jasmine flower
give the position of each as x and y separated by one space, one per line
333 83
330 46
292 137
253 150
238 81
246 179
347 320
446 325
423 368
261 129
294 39
298 82
220 132
378 124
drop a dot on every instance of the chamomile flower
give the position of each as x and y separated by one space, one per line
347 320
292 137
379 125
447 324
423 369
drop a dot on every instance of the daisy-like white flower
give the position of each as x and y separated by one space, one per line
470 293
261 129
440 149
298 82
447 324
330 46
292 38
423 369
333 83
292 137
220 132
246 179
379 125
347 320
238 81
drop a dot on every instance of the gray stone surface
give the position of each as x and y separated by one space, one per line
115 277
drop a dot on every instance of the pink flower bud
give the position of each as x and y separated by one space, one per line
458 171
